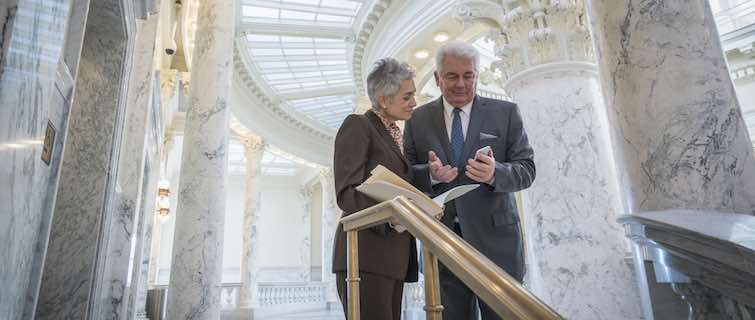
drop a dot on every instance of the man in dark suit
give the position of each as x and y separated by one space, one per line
441 140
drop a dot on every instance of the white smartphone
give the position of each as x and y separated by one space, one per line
486 150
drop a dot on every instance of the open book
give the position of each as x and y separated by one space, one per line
383 185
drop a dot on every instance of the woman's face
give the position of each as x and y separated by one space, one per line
399 107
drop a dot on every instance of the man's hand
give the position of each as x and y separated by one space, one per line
481 168
438 171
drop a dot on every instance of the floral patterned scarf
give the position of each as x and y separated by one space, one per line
393 130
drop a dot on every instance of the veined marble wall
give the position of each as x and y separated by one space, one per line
88 168
576 249
35 92
123 233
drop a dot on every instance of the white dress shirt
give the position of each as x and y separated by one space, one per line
448 115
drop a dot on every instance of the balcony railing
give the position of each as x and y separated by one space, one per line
507 297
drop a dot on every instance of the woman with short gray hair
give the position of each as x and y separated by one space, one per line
387 255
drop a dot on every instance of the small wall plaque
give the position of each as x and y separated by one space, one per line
49 143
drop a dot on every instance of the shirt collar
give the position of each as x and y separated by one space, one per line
449 109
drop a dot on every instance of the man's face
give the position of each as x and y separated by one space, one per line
457 80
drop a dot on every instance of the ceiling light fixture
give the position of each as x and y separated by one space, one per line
422 54
441 36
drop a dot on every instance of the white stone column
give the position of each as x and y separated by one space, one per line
196 267
679 137
330 216
253 150
304 237
678 130
575 250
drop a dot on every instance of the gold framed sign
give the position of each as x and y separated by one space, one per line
48 143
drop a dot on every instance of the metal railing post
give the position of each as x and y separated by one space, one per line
433 306
352 243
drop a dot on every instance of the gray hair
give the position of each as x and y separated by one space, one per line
457 49
385 79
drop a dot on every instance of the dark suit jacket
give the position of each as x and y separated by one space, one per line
488 215
361 144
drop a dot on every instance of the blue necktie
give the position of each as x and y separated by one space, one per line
457 137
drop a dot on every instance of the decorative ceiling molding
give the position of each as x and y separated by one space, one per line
376 12
276 107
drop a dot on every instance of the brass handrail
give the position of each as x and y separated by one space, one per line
502 293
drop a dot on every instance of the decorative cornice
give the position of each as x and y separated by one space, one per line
376 12
275 107
745 72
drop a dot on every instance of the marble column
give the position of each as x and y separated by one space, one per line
73 276
196 267
155 247
124 233
575 250
151 173
680 140
36 87
330 216
254 148
304 237
678 129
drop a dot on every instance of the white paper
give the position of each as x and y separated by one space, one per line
454 193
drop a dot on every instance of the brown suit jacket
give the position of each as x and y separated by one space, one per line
361 144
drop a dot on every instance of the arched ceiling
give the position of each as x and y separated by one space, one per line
300 63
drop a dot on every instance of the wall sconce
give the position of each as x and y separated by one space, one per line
163 199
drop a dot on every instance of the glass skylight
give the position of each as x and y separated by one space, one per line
298 48
326 13
273 165
329 110
291 64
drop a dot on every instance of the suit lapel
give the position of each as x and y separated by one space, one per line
387 139
439 128
476 117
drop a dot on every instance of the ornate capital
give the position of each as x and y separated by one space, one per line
253 143
326 173
531 33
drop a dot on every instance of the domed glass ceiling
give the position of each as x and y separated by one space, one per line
299 49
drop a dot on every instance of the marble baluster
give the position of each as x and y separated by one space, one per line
196 267
35 90
72 277
330 216
253 150
124 240
679 137
678 130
